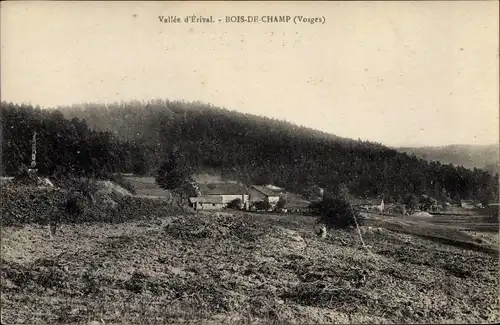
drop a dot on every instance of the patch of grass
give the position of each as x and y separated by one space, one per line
125 183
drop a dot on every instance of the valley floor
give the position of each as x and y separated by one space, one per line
223 268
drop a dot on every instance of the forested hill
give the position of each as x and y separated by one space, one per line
138 137
64 146
262 150
469 156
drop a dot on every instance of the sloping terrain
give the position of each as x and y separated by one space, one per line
223 268
107 202
469 156
147 187
470 232
258 150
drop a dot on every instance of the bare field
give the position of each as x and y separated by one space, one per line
147 187
244 268
469 232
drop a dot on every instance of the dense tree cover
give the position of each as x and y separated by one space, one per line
469 156
175 173
64 147
261 150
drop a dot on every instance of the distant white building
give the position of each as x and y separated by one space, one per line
206 203
218 195
227 191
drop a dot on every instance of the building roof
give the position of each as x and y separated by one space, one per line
274 188
222 189
264 190
295 200
206 199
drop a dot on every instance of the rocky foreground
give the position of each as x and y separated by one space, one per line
224 268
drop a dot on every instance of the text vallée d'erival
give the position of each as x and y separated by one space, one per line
194 19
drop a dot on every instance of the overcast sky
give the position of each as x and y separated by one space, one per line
415 73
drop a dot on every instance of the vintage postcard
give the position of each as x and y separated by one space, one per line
172 162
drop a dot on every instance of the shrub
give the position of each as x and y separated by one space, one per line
22 173
336 213
75 204
235 204
81 194
281 204
20 204
411 202
85 186
25 177
263 205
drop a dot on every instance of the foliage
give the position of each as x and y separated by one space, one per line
22 173
411 202
24 176
65 147
281 203
263 205
21 205
397 209
87 187
313 192
338 190
427 203
336 212
175 174
136 136
235 204
469 156
269 151
75 204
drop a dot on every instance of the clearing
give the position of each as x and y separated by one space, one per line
147 187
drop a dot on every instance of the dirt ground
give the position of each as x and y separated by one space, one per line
239 269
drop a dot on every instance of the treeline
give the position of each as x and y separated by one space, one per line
98 139
469 156
64 146
261 150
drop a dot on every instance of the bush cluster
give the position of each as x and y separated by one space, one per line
336 213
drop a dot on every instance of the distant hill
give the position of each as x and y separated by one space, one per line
98 139
469 156
259 150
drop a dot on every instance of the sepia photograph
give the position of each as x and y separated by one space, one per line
249 162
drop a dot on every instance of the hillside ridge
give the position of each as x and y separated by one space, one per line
466 155
138 138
